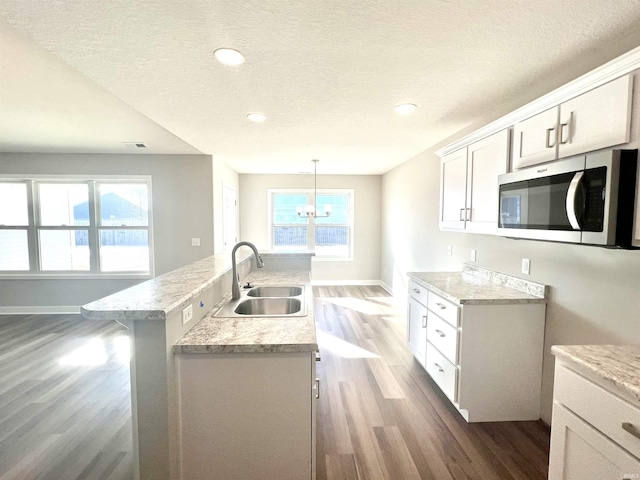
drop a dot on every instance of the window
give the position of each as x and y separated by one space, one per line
75 227
331 237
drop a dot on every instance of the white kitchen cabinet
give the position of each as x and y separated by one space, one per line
596 119
588 441
469 184
486 357
247 415
453 190
417 321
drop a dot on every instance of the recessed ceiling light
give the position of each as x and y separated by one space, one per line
256 117
229 56
405 108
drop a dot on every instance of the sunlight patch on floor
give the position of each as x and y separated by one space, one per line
94 353
341 347
365 307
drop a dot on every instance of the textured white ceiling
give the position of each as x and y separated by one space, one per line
327 74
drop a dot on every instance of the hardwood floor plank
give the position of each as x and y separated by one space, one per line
395 453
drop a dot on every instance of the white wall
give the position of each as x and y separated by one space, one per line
365 267
182 209
594 294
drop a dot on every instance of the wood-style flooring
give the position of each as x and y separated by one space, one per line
65 409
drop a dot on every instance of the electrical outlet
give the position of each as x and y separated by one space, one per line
473 255
187 314
526 266
450 250
195 242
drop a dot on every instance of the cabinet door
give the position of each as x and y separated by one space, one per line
453 181
580 452
417 329
486 159
597 119
535 139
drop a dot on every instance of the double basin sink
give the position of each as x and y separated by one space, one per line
267 301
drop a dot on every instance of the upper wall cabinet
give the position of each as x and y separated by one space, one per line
596 119
469 186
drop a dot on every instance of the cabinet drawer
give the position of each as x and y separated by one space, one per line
444 308
443 372
603 410
418 292
443 336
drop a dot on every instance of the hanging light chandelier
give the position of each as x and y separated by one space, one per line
311 210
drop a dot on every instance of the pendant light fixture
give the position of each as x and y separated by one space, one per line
311 210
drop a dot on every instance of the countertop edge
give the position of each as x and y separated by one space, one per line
570 354
475 301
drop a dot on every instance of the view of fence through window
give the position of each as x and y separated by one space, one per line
71 228
331 234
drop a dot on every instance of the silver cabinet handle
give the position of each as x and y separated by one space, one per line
424 321
317 388
467 215
631 428
462 214
442 307
562 140
548 143
441 333
416 290
439 368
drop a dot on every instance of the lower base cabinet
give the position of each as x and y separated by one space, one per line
246 416
588 441
486 358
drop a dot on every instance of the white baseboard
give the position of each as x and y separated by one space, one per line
44 310
388 289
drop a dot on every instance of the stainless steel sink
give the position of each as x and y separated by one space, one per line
268 306
267 301
275 291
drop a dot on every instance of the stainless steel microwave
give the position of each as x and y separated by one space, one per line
585 199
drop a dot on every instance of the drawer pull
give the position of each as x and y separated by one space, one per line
631 428
439 368
424 321
442 306
317 388
441 333
416 290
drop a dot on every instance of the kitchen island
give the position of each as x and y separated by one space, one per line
247 392
158 313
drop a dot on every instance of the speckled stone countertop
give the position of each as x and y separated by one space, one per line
255 334
476 285
157 298
618 366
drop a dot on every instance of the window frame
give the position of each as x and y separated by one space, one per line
93 228
311 223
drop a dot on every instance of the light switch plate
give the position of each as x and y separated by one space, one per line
195 242
526 266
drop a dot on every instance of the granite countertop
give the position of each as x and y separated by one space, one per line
617 365
476 285
157 298
255 334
